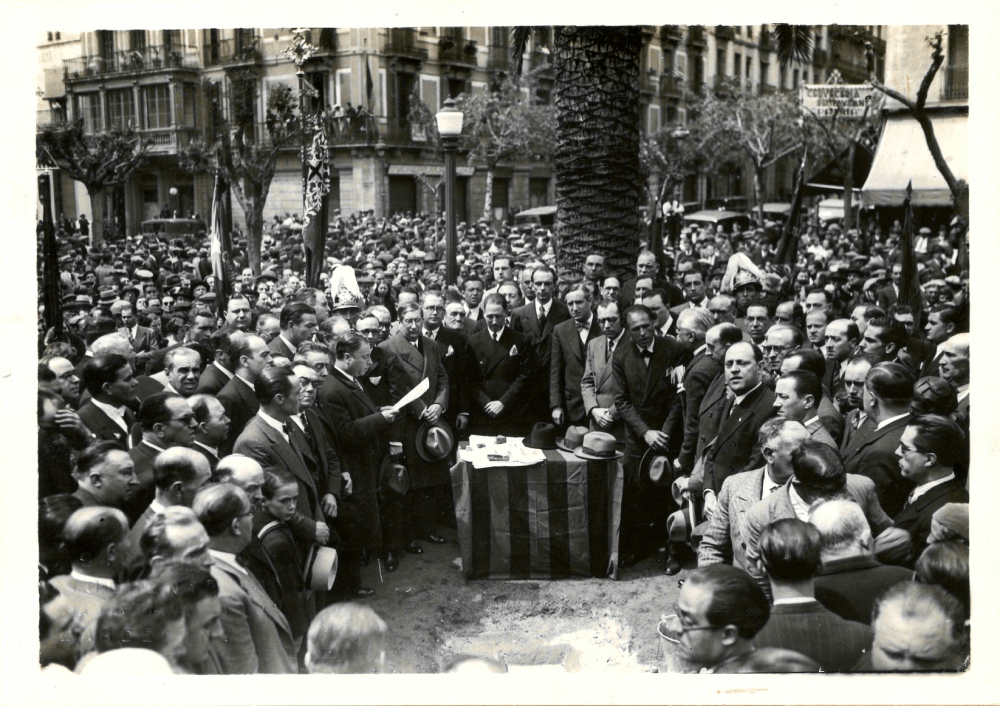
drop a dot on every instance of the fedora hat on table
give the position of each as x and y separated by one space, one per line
543 436
598 446
573 439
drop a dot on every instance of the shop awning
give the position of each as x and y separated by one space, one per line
902 156
829 180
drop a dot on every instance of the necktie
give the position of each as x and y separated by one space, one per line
287 428
128 332
646 355
611 349
541 318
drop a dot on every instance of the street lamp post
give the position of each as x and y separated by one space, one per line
449 122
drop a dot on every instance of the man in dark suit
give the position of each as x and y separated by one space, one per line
890 295
851 579
215 376
213 427
929 450
735 446
597 386
248 357
110 382
569 346
842 337
298 323
500 365
536 321
415 358
258 638
142 339
942 324
647 266
454 356
790 554
268 438
872 449
362 431
645 377
166 420
814 362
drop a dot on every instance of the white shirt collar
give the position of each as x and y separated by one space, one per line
226 372
740 398
647 348
134 330
287 342
229 558
769 486
154 446
811 422
922 489
245 382
498 335
794 600
800 506
667 323
272 422
297 418
215 451
427 333
167 387
699 349
157 507
107 583
963 392
543 307
115 414
890 420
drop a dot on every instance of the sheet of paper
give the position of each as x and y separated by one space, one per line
413 394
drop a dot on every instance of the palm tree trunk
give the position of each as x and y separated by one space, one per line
598 189
758 192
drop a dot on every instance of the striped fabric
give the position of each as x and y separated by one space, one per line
545 521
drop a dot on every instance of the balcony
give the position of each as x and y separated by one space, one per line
696 35
820 57
231 52
724 33
401 42
168 141
130 61
671 86
670 35
956 82
765 42
499 59
651 83
457 51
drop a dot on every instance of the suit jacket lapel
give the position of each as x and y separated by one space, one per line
738 416
501 349
657 367
355 389
874 435
408 354
605 363
288 452
257 594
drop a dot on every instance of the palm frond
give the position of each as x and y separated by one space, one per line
793 42
519 37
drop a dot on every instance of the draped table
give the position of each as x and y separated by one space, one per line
548 520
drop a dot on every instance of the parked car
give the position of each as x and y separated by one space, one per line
544 216
774 213
728 203
726 219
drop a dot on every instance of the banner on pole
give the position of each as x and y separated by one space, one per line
844 100
318 176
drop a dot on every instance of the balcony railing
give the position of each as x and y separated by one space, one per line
402 41
457 51
499 59
350 132
696 35
671 86
168 140
956 83
724 33
152 58
50 117
229 51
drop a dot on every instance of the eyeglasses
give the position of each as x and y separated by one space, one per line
186 419
676 625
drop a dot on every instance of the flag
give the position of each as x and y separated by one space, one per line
315 189
909 286
788 247
220 247
369 87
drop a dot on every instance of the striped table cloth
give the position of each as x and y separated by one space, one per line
549 520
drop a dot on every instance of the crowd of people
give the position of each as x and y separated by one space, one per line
794 438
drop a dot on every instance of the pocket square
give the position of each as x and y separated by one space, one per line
449 351
376 380
513 350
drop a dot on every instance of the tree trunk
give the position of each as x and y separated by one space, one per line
253 213
488 197
597 152
758 192
849 188
96 194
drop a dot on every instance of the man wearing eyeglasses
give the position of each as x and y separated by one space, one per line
718 613
454 357
569 345
166 420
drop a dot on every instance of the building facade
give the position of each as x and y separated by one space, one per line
152 80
